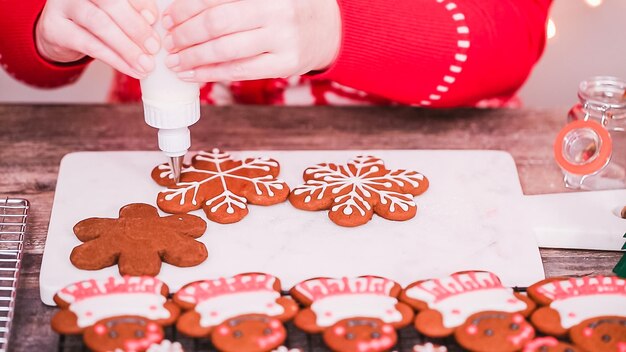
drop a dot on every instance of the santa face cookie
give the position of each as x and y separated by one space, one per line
494 332
127 333
354 192
252 333
138 241
444 304
549 344
606 333
221 186
352 312
360 334
85 303
243 310
568 302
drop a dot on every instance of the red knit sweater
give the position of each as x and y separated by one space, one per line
438 53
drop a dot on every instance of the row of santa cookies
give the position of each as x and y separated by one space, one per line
247 312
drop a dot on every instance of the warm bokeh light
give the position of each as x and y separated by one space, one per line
551 30
594 3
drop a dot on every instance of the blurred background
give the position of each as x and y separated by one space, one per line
585 38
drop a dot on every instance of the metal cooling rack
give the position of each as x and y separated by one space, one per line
13 214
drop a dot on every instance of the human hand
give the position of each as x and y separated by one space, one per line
118 32
236 40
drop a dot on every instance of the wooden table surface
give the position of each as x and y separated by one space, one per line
33 139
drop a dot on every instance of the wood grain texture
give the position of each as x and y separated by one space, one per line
33 139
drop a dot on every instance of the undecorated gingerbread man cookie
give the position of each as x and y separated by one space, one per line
116 312
354 192
221 186
241 313
138 241
354 314
444 304
567 302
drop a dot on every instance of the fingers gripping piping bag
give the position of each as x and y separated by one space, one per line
169 104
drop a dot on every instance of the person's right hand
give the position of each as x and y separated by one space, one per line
118 32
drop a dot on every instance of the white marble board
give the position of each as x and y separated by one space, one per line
470 218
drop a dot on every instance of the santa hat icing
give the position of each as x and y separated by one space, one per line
579 299
337 299
93 300
224 298
460 295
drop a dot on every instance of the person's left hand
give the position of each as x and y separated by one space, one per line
237 40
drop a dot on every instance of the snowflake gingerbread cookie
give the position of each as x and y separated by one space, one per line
444 304
354 314
138 241
118 312
241 313
354 192
221 186
567 302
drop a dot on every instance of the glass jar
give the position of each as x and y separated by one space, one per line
591 148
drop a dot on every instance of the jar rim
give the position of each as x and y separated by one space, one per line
603 92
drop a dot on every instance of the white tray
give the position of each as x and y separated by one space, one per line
470 218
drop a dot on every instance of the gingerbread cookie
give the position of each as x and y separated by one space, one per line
570 301
125 333
444 304
221 186
85 303
549 344
494 332
354 192
355 314
138 241
244 312
606 334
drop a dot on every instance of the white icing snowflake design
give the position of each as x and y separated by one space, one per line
221 186
354 192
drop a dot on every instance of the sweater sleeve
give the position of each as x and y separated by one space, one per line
18 53
439 53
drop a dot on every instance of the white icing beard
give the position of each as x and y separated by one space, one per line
216 310
147 305
576 309
332 309
456 309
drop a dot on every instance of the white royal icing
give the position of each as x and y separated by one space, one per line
576 309
460 295
92 309
429 347
332 309
362 184
220 308
165 346
262 184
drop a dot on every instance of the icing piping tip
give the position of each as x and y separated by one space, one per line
176 163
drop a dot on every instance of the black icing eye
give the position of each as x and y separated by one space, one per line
606 338
488 332
237 334
139 333
113 334
351 323
566 350
232 323
349 336
545 349
514 326
267 331
375 335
